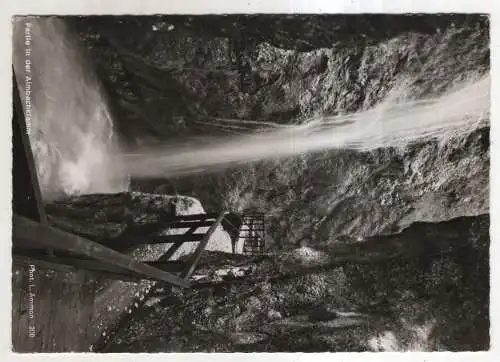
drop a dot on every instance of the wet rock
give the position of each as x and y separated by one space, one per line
247 338
273 315
284 70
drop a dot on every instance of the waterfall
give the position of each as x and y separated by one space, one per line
76 148
68 119
389 124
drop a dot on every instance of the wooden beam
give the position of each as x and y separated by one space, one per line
36 233
21 123
25 260
68 268
186 224
68 264
191 231
173 248
191 217
175 266
159 239
171 251
195 258
174 238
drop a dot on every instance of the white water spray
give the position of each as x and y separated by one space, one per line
390 123
71 131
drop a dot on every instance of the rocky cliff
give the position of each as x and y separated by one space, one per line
173 76
177 77
366 297
167 74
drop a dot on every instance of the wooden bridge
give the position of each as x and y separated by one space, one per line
36 243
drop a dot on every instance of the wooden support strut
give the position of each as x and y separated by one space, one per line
174 247
195 258
164 239
171 251
161 239
31 232
74 264
186 224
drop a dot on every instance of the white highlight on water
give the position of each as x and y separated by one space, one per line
391 123
72 135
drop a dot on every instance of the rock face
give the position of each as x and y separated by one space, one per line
110 218
174 76
319 199
107 218
358 298
379 250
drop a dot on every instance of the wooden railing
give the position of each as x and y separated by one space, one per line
31 237
34 241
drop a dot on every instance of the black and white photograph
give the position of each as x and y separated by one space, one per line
250 183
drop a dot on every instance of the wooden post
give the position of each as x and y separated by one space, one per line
20 124
21 130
